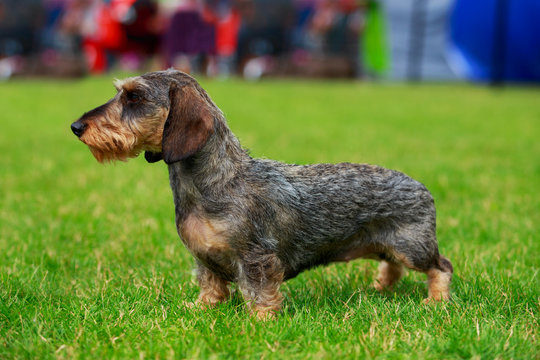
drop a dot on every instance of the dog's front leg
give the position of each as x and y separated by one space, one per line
260 277
213 289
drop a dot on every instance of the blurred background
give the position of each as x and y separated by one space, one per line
492 41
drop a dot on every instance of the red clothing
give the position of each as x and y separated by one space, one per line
226 31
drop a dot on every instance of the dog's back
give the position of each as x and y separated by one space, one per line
327 212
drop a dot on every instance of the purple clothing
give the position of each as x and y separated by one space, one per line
189 34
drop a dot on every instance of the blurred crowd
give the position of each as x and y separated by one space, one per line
252 38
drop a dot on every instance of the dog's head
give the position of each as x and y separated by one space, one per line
166 114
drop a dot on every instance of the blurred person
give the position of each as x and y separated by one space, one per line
265 31
124 31
20 22
337 24
226 19
61 52
189 38
335 29
32 41
140 24
303 12
54 10
98 24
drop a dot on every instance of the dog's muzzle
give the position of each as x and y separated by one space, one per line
78 128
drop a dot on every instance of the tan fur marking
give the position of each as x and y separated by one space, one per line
203 235
403 260
213 289
129 84
151 131
119 83
438 285
268 302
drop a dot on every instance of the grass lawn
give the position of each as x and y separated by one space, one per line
91 265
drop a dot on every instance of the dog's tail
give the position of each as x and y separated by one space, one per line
445 265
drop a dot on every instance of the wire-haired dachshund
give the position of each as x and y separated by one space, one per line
260 222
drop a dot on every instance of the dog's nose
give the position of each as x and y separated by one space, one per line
78 128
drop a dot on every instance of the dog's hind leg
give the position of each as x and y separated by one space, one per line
389 273
415 246
439 279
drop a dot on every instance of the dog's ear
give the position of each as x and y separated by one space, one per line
188 126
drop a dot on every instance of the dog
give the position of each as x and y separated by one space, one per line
260 222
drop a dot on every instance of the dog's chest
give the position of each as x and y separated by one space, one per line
207 241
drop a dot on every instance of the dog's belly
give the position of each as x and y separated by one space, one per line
370 251
367 243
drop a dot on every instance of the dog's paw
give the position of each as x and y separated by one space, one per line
377 285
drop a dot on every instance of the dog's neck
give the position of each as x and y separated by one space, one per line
207 174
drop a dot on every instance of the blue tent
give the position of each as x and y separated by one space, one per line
496 40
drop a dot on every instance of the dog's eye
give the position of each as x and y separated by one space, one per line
133 97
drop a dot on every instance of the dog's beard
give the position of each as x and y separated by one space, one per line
103 156
108 146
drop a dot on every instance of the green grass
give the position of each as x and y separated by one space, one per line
91 265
